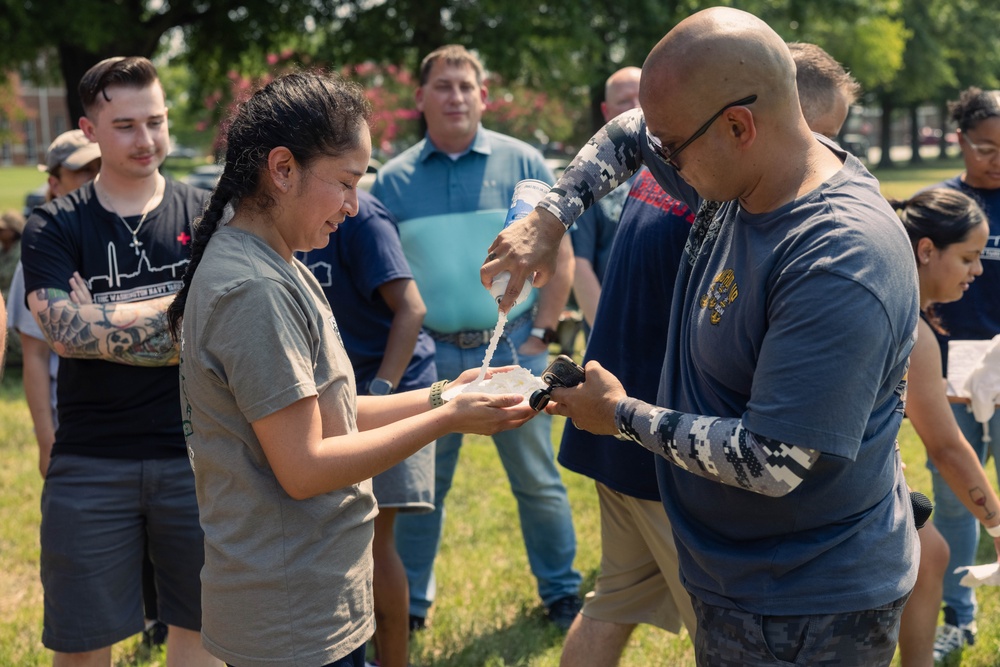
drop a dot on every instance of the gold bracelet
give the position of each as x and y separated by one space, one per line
436 389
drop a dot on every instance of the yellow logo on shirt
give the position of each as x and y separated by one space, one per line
723 292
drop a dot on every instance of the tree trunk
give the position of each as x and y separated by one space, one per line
943 139
915 157
74 61
885 141
596 97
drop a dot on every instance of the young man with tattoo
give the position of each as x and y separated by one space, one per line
101 265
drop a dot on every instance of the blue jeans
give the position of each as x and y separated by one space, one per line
528 457
959 528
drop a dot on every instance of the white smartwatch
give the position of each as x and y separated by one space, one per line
380 387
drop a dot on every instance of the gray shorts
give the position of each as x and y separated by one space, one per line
731 638
408 485
97 515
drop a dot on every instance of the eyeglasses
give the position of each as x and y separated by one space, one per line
982 151
671 157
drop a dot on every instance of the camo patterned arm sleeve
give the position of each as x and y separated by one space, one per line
716 448
608 160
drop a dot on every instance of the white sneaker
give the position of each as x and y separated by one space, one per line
951 638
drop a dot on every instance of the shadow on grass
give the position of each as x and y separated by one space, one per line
516 644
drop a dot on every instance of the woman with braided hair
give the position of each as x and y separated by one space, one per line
282 446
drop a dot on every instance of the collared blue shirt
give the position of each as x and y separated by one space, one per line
449 211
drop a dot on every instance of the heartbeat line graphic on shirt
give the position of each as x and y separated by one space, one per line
174 272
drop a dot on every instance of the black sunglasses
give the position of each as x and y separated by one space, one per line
670 157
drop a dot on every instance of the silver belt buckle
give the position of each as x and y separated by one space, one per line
471 339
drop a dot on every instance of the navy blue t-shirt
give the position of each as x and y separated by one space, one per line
800 322
631 330
363 254
976 316
110 409
594 232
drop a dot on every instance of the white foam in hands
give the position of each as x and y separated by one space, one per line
515 381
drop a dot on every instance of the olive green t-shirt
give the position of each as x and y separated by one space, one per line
286 583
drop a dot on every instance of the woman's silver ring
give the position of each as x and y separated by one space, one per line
490 257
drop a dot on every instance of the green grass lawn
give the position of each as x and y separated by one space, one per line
487 613
15 183
903 182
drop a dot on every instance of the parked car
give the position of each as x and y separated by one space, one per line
557 164
185 152
856 144
35 198
931 136
204 177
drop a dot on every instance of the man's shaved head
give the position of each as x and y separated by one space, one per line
716 56
708 62
621 92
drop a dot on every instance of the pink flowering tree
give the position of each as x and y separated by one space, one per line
12 111
514 109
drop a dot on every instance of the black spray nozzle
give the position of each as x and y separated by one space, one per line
922 508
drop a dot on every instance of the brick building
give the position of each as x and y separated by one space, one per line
46 117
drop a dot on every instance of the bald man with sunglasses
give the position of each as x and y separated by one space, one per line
790 328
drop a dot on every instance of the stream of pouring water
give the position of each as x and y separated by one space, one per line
492 347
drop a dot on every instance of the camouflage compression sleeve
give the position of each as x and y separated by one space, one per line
716 448
608 160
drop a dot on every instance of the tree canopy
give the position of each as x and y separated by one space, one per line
906 51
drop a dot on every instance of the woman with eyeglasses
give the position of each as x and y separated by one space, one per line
975 317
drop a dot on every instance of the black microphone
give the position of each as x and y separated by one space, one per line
922 508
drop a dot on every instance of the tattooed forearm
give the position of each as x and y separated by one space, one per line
608 160
133 333
716 448
980 499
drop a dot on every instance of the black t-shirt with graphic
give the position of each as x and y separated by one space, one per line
113 409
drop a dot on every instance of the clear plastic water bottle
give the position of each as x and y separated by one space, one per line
527 194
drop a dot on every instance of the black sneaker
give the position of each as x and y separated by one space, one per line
562 612
417 623
155 634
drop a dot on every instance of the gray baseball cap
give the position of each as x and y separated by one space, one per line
72 150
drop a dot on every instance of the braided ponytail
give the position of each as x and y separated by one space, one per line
312 114
202 230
